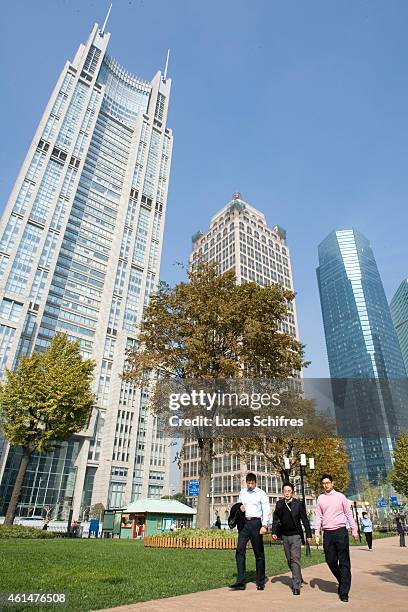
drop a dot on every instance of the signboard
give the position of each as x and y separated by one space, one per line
193 488
381 503
393 500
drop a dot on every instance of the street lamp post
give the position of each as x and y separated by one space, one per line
302 484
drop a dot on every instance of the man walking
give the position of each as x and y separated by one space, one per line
332 510
287 517
255 505
368 530
401 531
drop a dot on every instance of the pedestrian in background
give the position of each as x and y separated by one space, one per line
368 530
401 531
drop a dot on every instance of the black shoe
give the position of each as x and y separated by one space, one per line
296 591
344 598
238 586
260 587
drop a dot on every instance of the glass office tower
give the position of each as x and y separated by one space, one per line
399 314
80 247
361 344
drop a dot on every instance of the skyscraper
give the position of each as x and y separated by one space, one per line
80 247
361 344
399 314
239 239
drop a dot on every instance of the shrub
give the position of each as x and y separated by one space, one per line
28 533
210 534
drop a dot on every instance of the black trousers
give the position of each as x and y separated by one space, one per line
337 553
251 532
369 538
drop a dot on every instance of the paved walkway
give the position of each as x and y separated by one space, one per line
380 581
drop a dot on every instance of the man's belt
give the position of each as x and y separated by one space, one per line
253 518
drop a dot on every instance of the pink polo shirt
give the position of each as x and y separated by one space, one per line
332 509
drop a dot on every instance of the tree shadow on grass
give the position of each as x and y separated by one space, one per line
395 573
328 586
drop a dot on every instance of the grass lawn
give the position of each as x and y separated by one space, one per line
98 574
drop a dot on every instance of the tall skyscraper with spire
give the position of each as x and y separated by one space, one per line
80 247
361 346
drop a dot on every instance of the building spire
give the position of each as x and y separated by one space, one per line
167 65
106 19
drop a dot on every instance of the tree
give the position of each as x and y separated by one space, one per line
45 401
211 328
178 497
399 473
329 453
96 511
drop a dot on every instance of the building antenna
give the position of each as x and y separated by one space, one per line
167 65
106 20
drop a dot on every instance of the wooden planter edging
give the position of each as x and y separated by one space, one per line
163 542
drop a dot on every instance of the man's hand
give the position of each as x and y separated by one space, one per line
355 538
274 536
309 540
317 539
262 530
242 508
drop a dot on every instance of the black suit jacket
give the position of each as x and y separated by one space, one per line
299 516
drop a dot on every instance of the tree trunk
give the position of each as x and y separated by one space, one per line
11 510
203 503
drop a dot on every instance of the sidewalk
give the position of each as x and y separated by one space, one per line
380 581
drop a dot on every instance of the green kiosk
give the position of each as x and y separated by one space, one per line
150 516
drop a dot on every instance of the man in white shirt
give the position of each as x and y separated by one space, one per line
255 504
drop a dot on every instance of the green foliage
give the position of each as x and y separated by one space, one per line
27 533
178 497
399 472
329 453
48 397
210 327
209 534
96 511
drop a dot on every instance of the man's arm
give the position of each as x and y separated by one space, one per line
275 520
265 509
318 518
349 516
305 520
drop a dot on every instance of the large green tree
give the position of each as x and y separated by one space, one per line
211 328
399 473
45 400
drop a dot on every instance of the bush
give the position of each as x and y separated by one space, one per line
19 531
210 534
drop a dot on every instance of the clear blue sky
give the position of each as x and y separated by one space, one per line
300 105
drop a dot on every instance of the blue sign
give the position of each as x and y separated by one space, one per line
394 500
381 503
193 488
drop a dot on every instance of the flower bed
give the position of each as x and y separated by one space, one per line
193 538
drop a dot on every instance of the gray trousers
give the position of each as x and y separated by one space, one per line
293 545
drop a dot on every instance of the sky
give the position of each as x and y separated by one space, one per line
302 106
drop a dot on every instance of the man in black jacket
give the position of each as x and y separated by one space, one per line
287 517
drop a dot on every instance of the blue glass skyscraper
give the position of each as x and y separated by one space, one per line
361 344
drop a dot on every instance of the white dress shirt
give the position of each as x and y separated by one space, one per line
256 504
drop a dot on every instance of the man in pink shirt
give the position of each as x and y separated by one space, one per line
332 510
